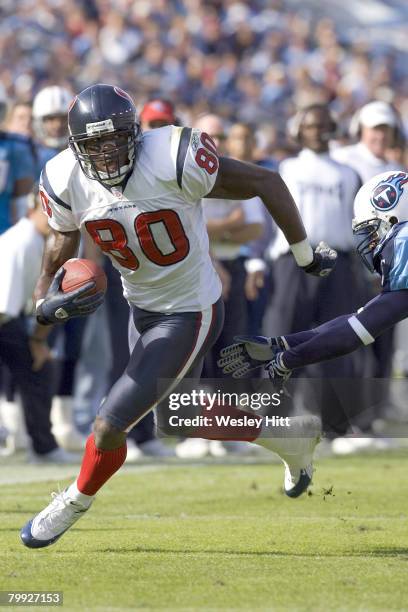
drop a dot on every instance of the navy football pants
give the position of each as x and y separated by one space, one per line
163 347
118 313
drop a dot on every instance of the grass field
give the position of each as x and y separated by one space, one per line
223 537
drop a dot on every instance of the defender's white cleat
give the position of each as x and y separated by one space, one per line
52 522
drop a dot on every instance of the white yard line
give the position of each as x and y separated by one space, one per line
20 474
16 472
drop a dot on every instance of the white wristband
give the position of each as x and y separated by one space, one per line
302 252
39 302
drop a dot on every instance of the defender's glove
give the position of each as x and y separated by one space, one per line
249 353
58 307
324 260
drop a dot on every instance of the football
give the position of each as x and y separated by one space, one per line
81 271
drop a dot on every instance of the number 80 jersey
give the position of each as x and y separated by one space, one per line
154 231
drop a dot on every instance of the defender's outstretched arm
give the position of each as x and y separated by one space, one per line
340 336
346 333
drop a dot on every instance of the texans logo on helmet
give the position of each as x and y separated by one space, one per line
387 193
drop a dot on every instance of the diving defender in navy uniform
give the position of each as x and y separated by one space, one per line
380 225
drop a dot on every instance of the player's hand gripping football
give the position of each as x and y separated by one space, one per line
324 260
249 353
58 307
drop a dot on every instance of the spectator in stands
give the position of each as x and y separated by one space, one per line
50 124
230 225
324 191
156 114
17 174
24 352
374 125
19 119
250 61
241 144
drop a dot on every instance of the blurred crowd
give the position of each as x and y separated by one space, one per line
271 86
252 61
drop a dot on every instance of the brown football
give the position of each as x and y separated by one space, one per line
81 271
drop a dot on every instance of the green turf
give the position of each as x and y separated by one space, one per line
224 537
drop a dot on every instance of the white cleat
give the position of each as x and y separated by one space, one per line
297 480
295 444
52 522
299 465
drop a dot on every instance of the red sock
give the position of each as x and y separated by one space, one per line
98 466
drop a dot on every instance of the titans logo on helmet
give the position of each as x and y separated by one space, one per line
387 193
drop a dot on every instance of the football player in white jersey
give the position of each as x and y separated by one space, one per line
138 196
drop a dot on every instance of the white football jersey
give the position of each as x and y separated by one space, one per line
21 248
154 232
324 192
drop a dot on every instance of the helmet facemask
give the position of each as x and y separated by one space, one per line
111 166
372 231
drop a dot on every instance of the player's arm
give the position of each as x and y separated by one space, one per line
334 338
52 304
346 333
242 180
59 247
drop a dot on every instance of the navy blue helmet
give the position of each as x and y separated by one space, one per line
104 132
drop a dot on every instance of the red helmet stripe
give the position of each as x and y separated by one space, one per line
72 103
122 94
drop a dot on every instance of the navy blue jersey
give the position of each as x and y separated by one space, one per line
16 162
391 258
